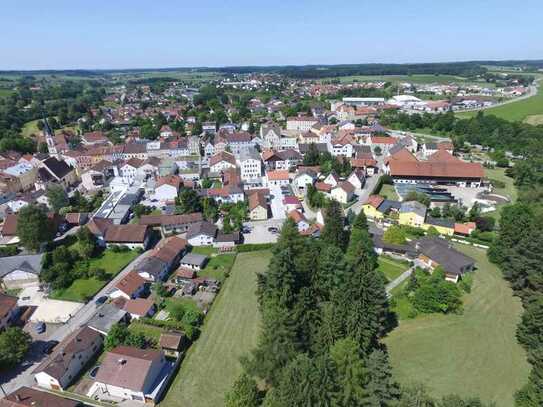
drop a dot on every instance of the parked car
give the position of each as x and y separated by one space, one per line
40 327
49 346
100 300
273 229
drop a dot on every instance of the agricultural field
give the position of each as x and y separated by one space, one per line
529 110
475 353
229 332
420 79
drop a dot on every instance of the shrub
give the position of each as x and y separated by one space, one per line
253 247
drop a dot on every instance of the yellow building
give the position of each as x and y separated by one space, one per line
443 226
371 207
412 213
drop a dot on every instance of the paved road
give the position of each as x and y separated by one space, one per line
24 377
400 279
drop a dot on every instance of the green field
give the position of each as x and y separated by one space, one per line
83 288
391 268
389 192
437 79
530 109
471 354
30 128
5 92
509 191
230 331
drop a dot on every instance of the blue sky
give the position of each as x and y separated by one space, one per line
62 34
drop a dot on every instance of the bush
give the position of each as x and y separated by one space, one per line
435 294
8 251
190 331
119 248
254 247
395 235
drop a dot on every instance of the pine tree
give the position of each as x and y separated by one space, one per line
351 373
360 249
382 389
331 273
306 382
244 393
362 307
334 226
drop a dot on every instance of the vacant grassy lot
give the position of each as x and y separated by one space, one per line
530 109
389 192
30 128
230 331
509 190
84 288
471 354
218 265
391 268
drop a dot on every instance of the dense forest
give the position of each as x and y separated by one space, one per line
67 100
486 130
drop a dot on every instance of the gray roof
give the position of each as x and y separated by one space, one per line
151 265
248 153
413 206
194 259
304 147
105 317
30 264
440 251
447 223
202 228
388 204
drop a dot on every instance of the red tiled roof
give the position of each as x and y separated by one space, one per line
432 169
363 162
277 175
139 306
126 233
375 201
130 283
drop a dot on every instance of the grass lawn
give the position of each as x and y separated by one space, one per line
149 331
509 191
84 288
474 354
529 109
5 92
391 268
230 331
186 302
217 266
30 128
206 250
389 191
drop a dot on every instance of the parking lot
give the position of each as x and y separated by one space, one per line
48 310
260 233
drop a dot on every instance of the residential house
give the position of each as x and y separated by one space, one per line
435 251
222 161
412 213
167 188
249 164
68 358
30 397
304 178
357 178
332 179
301 123
343 192
193 261
201 233
131 286
8 310
300 220
140 308
258 207
94 138
55 171
270 135
442 225
20 271
132 236
277 178
108 315
172 224
129 373
98 227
